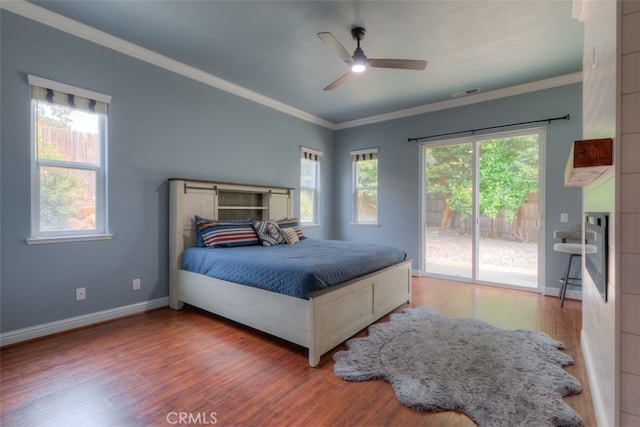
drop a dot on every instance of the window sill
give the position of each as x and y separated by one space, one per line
365 224
66 239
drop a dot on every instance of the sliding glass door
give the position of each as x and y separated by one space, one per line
449 232
482 203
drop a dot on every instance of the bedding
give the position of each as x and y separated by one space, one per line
268 232
295 270
290 235
218 233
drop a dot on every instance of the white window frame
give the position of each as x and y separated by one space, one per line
356 156
310 155
100 232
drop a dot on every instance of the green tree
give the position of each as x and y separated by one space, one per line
448 177
60 188
306 205
367 176
508 172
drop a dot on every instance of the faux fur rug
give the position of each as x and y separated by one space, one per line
495 376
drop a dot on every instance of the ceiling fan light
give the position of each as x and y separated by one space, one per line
358 67
359 63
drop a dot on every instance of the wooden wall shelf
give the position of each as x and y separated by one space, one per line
588 160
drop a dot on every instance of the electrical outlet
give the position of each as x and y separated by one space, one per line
136 284
81 293
564 217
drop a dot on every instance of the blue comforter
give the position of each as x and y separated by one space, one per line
294 270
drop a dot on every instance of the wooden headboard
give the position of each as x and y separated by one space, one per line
217 200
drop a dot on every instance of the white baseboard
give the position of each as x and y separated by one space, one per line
548 290
596 398
19 335
571 293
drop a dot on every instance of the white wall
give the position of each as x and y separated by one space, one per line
611 108
629 207
599 99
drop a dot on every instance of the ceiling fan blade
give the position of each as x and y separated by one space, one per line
404 64
340 80
335 46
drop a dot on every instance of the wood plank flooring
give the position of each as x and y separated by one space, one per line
187 367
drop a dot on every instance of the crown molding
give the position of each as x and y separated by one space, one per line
78 29
473 99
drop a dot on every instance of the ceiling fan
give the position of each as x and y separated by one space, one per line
358 62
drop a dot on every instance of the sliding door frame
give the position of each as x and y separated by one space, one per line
474 140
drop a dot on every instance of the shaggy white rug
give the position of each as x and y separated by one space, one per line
495 376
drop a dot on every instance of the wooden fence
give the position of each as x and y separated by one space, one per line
524 227
71 145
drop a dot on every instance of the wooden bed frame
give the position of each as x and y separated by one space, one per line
328 318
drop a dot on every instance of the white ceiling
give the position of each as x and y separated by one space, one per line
271 47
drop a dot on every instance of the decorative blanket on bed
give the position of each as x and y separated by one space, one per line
294 270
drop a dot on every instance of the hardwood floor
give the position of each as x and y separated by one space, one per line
169 367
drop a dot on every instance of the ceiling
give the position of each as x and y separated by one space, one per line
271 47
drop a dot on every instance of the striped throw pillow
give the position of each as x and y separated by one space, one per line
291 223
290 235
198 219
216 234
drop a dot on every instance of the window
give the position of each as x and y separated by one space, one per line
68 162
365 186
309 185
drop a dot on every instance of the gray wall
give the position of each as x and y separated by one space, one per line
161 125
399 166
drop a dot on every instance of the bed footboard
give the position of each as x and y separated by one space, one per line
328 318
338 313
